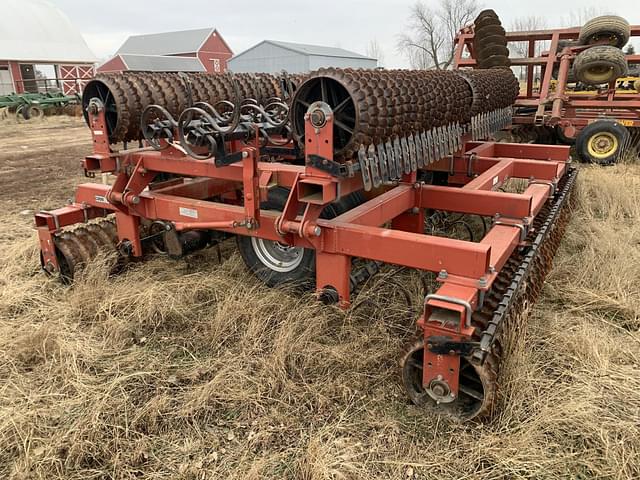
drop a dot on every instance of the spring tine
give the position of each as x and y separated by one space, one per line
384 169
405 155
364 168
426 142
485 126
447 147
374 166
391 159
423 150
451 138
488 123
432 144
398 154
445 140
458 137
454 138
438 143
474 137
413 153
419 157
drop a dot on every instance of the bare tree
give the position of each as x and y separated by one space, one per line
374 50
521 49
582 16
527 24
430 42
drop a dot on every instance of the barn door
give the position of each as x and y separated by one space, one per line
28 78
74 77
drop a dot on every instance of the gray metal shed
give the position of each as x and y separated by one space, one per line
270 56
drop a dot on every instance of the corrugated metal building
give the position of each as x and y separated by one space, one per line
34 35
271 56
200 50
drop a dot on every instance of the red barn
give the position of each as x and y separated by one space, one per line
202 50
52 56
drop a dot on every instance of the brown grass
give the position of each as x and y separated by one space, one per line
194 370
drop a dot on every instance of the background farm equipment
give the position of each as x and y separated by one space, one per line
357 169
579 88
26 106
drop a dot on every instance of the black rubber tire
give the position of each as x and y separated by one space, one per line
599 65
613 27
601 126
303 275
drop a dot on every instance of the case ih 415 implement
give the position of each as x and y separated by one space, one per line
571 92
349 167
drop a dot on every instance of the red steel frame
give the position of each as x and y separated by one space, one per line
387 228
568 109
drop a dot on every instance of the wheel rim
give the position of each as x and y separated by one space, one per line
599 39
277 256
602 145
599 74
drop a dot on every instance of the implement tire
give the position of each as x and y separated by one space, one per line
598 65
276 263
601 142
612 28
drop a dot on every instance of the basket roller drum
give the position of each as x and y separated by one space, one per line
126 95
373 106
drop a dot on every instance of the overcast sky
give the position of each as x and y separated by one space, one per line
349 24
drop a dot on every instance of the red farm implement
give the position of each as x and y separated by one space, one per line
578 87
349 167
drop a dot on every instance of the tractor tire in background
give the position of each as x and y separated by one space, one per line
277 263
612 28
601 142
600 64
29 112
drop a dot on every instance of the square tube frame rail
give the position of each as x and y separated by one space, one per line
388 227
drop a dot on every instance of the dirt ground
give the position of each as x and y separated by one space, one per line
193 370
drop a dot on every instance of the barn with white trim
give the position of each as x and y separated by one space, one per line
41 50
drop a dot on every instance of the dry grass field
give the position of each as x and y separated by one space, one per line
193 370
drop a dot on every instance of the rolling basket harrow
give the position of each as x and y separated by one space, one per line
312 173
